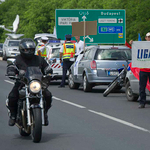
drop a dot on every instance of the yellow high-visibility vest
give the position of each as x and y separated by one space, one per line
69 50
43 54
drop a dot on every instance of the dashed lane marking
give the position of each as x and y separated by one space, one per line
9 81
119 120
65 101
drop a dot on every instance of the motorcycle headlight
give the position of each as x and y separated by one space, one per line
35 86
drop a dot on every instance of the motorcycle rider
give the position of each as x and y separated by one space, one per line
27 58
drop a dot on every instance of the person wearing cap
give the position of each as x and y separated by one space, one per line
79 45
144 75
67 53
42 51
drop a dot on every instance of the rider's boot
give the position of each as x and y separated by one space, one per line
46 117
12 119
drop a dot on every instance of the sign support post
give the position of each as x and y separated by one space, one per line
84 17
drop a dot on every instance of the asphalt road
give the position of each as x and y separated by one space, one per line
81 121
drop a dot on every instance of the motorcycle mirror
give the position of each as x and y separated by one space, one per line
10 61
48 69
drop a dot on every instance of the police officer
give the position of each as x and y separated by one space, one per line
42 49
67 53
24 60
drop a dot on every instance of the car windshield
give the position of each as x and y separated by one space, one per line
38 40
55 53
13 43
113 54
1 45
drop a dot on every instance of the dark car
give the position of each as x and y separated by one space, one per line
1 49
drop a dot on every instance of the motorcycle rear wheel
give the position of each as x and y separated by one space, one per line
36 127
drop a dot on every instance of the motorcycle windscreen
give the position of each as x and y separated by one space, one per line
33 73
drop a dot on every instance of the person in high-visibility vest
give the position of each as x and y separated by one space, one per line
42 49
67 53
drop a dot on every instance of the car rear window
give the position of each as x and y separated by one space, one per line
55 53
113 54
13 43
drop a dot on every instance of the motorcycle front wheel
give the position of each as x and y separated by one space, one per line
36 128
112 86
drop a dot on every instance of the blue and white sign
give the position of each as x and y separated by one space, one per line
141 54
110 29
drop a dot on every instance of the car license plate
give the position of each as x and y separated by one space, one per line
113 73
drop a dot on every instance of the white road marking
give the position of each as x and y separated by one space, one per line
65 101
120 121
99 113
9 81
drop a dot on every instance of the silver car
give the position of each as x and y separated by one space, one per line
99 66
10 48
132 87
1 49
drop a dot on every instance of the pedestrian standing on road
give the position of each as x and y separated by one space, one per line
42 51
67 53
79 45
144 75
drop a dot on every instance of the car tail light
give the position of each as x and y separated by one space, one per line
93 64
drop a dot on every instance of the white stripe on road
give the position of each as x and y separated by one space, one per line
99 113
65 101
120 121
9 81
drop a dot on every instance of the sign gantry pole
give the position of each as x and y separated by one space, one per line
84 31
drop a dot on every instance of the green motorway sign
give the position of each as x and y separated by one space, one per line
111 24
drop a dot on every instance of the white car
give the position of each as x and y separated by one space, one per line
11 46
54 61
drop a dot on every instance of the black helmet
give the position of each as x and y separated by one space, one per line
27 48
68 37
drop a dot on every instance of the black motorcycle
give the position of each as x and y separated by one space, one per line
31 103
118 81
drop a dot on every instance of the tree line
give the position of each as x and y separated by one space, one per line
38 16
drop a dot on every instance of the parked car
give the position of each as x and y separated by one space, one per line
54 61
11 46
98 66
1 49
132 87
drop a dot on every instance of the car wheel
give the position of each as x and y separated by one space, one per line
129 93
87 87
71 83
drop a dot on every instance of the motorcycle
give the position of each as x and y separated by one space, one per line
118 81
30 113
